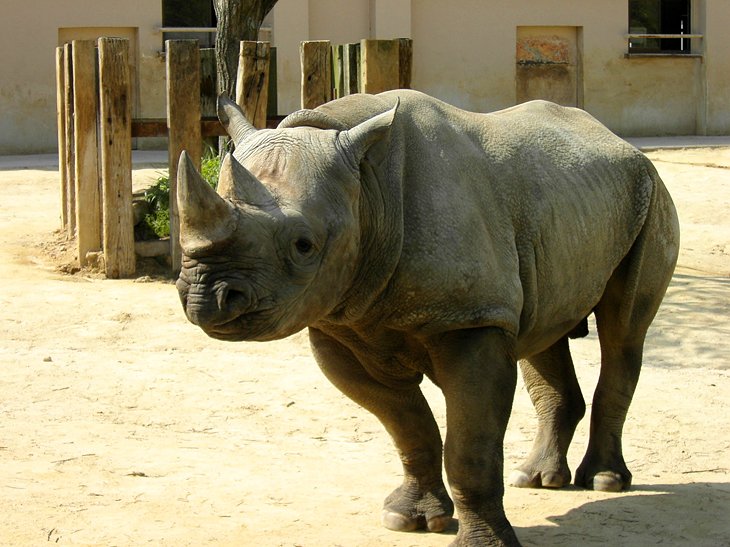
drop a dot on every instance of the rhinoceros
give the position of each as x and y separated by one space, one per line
413 238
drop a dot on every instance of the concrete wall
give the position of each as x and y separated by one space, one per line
29 34
464 53
717 66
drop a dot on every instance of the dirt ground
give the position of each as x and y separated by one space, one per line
123 424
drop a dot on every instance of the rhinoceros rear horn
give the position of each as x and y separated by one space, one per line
205 217
234 120
363 137
237 183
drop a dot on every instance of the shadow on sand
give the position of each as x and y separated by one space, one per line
692 321
674 514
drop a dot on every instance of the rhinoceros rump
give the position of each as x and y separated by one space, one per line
415 238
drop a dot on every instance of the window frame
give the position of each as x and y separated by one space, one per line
690 50
204 34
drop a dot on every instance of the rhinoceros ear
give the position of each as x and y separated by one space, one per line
205 217
238 184
370 137
234 120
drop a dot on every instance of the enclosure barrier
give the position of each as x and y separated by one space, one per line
95 125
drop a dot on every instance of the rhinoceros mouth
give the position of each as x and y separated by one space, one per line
258 325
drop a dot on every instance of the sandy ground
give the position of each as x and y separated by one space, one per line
123 424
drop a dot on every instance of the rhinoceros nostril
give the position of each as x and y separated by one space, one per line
239 301
222 296
232 299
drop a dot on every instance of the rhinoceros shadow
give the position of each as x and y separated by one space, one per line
673 514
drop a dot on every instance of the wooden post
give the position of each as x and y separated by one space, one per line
352 68
116 156
272 108
379 65
405 62
316 62
252 82
69 162
61 126
208 90
338 71
183 122
88 205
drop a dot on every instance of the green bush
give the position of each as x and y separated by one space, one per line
158 195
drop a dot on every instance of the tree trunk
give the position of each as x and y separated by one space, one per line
237 20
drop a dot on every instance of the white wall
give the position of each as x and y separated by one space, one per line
463 52
29 34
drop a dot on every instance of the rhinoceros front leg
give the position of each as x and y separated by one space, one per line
477 372
422 500
555 393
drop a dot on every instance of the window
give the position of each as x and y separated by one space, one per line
649 20
196 15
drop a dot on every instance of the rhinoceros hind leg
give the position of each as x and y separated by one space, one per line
555 393
623 316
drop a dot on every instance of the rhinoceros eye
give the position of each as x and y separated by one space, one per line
303 245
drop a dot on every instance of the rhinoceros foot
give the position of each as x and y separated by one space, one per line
602 477
407 509
540 479
541 473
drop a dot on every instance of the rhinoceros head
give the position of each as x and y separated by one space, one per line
276 248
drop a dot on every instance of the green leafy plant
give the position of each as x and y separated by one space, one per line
158 195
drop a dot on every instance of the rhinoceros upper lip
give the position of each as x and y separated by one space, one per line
244 326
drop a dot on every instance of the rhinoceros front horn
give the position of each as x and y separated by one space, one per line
236 183
205 217
234 120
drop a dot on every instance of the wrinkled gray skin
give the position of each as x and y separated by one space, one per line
414 238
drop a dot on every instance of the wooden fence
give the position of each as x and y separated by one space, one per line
95 124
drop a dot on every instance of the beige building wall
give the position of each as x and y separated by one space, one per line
465 52
717 66
29 34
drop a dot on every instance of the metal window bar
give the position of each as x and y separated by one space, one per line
186 29
645 36
198 29
642 35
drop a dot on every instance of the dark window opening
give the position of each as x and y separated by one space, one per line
189 14
659 17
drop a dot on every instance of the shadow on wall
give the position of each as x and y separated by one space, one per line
677 514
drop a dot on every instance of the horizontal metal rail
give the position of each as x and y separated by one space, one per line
667 36
186 29
195 29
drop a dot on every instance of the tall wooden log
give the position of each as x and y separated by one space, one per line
338 71
405 62
183 122
316 63
272 108
69 162
61 127
208 78
88 204
379 65
252 83
351 64
116 156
